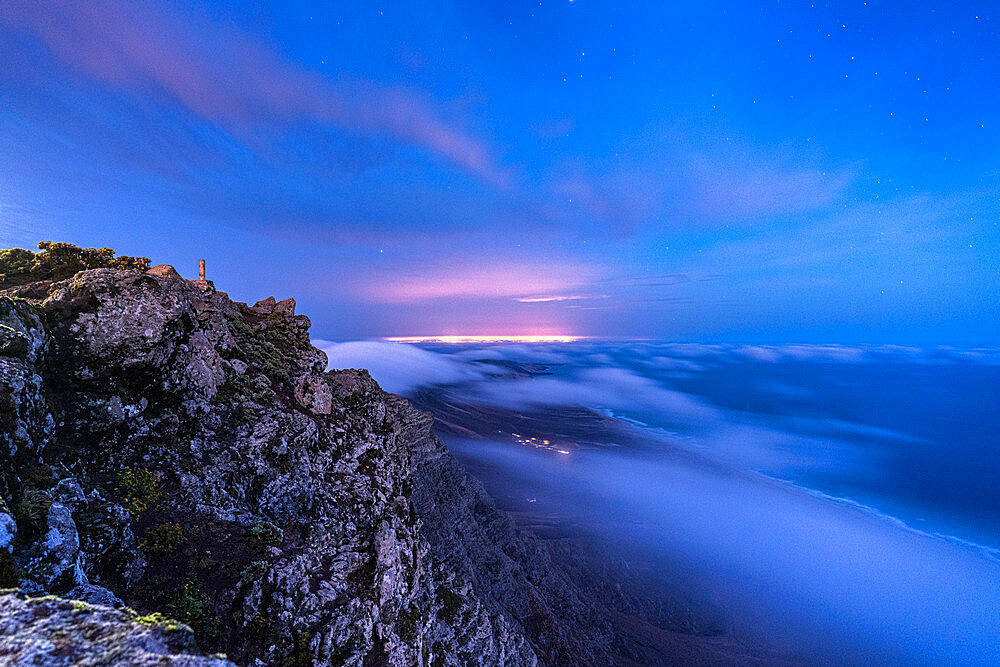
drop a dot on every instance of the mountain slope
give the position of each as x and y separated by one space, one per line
169 449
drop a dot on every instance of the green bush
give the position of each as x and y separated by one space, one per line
16 261
186 605
266 534
9 574
137 489
32 512
253 572
163 538
56 261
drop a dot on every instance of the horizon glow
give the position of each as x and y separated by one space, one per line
497 338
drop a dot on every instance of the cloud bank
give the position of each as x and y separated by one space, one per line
397 367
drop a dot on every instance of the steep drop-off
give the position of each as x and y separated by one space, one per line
171 450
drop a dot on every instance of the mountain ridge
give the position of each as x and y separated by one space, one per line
178 452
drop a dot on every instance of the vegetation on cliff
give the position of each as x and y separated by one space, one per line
56 261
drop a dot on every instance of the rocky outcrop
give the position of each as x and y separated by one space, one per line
169 450
180 452
51 632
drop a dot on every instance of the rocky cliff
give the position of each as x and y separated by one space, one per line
169 450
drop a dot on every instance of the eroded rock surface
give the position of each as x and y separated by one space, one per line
171 450
184 453
52 632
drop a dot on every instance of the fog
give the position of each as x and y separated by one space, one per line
836 584
397 367
839 503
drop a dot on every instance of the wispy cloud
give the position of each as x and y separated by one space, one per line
883 237
397 366
751 186
689 182
568 297
501 278
228 77
305 143
604 387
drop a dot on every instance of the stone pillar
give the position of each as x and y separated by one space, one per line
201 269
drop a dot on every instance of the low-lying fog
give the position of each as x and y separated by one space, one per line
879 545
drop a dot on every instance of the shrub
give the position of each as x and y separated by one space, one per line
137 489
257 624
16 261
451 603
186 605
253 572
56 261
266 534
163 538
409 624
32 512
9 574
261 349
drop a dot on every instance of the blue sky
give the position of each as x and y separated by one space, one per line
691 171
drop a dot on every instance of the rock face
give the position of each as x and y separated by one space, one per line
184 453
167 449
52 632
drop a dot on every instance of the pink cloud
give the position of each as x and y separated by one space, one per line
546 299
503 279
227 77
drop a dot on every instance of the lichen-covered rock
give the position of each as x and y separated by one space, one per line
8 530
268 306
95 595
24 418
188 454
52 632
170 449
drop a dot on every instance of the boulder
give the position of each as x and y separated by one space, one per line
164 271
269 306
53 632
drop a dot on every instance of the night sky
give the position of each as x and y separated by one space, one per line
707 171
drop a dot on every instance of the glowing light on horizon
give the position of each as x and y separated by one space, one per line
558 338
543 299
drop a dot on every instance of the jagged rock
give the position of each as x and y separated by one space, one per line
57 563
53 632
314 395
188 454
13 343
8 528
264 306
95 595
285 307
25 421
164 271
21 331
269 305
167 447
